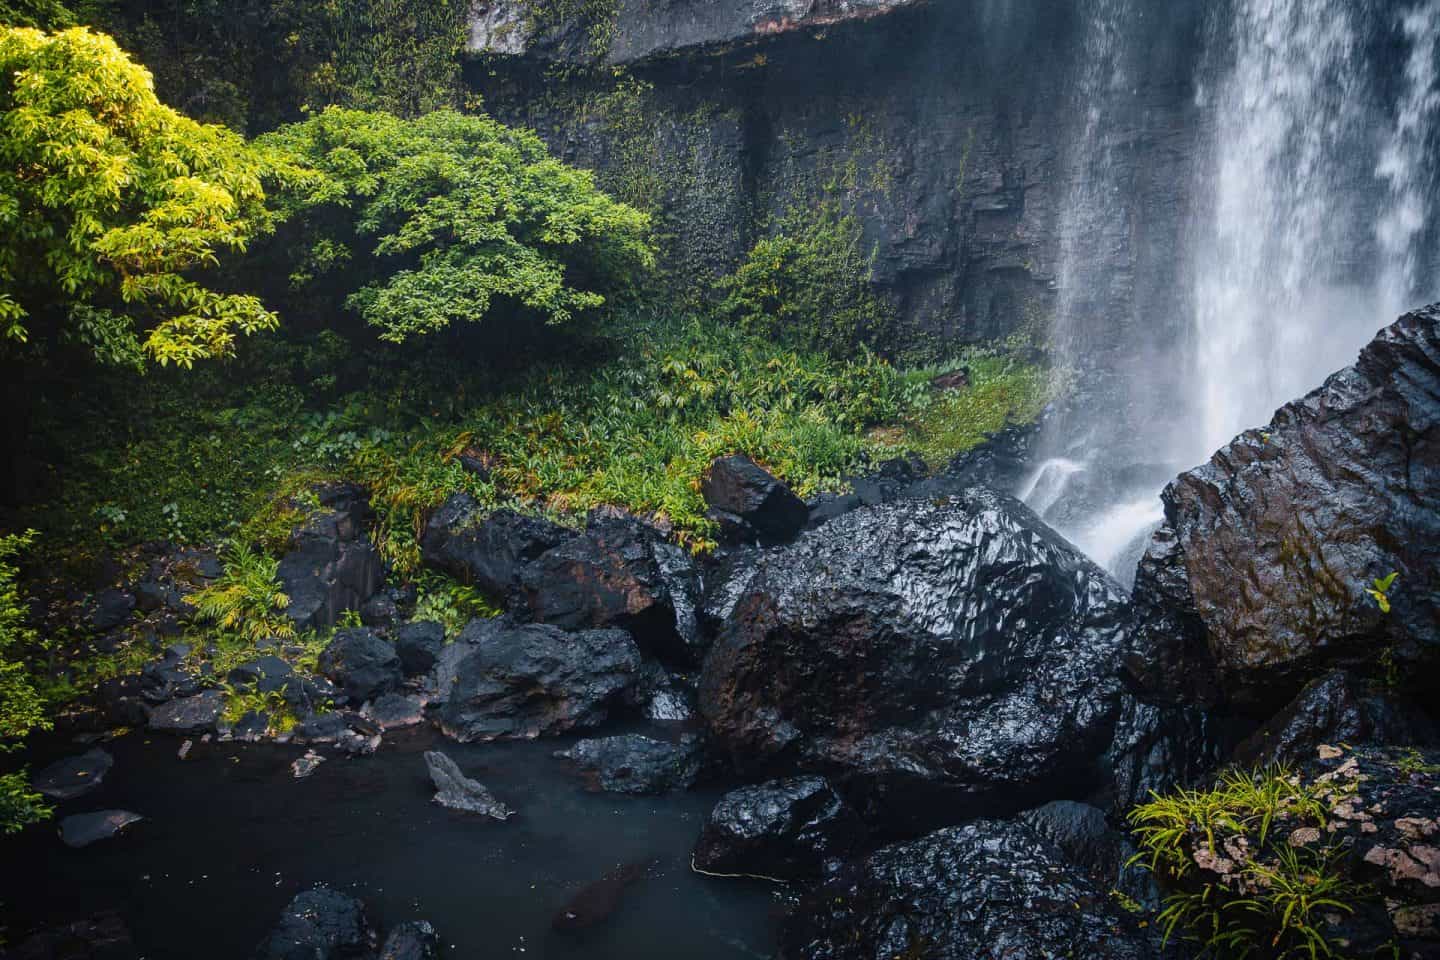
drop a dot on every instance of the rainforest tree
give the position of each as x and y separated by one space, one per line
111 203
418 223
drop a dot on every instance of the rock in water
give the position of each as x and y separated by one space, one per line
458 792
600 899
953 650
516 683
788 829
1259 577
412 940
987 889
319 924
749 503
302 767
74 776
636 764
83 829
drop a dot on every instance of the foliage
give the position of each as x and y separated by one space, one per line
447 215
40 14
19 805
596 20
808 286
22 709
246 601
1380 591
110 202
450 603
1237 884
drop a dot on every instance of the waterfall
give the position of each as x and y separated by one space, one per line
1312 229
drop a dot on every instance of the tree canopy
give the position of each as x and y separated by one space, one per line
448 213
111 203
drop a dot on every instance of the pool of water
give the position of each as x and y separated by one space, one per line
231 836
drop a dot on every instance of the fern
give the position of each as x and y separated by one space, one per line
246 603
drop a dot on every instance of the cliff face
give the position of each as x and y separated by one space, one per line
950 132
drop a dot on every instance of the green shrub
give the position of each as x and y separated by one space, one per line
19 805
22 709
246 603
449 603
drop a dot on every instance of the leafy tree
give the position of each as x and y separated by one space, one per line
22 709
449 213
111 202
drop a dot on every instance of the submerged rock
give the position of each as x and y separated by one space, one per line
332 566
1260 574
637 764
361 663
319 924
82 829
987 889
788 829
597 901
74 776
954 650
514 683
749 503
302 767
103 936
458 792
487 550
411 940
619 573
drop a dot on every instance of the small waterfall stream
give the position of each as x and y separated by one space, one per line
1311 231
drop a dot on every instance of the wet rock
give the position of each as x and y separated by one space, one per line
1267 551
396 710
1157 748
82 829
110 608
456 791
319 924
1336 708
351 733
791 829
487 550
1084 835
987 889
411 940
379 611
103 936
951 653
332 566
725 580
198 714
74 776
749 503
519 682
302 767
361 663
619 573
636 764
418 645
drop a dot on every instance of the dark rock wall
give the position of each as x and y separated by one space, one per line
943 128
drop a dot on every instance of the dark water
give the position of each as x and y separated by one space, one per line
232 837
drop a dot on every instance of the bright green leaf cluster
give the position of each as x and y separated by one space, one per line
110 202
449 214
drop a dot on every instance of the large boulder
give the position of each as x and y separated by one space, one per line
331 566
486 549
1259 576
188 715
319 924
749 503
791 829
620 573
361 664
512 682
636 764
419 645
987 889
956 650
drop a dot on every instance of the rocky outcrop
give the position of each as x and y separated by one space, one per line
319 924
456 791
331 566
1259 579
486 549
987 889
749 503
620 573
636 764
952 650
361 664
74 776
418 645
791 829
510 683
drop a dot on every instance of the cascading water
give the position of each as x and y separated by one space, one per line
1312 230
